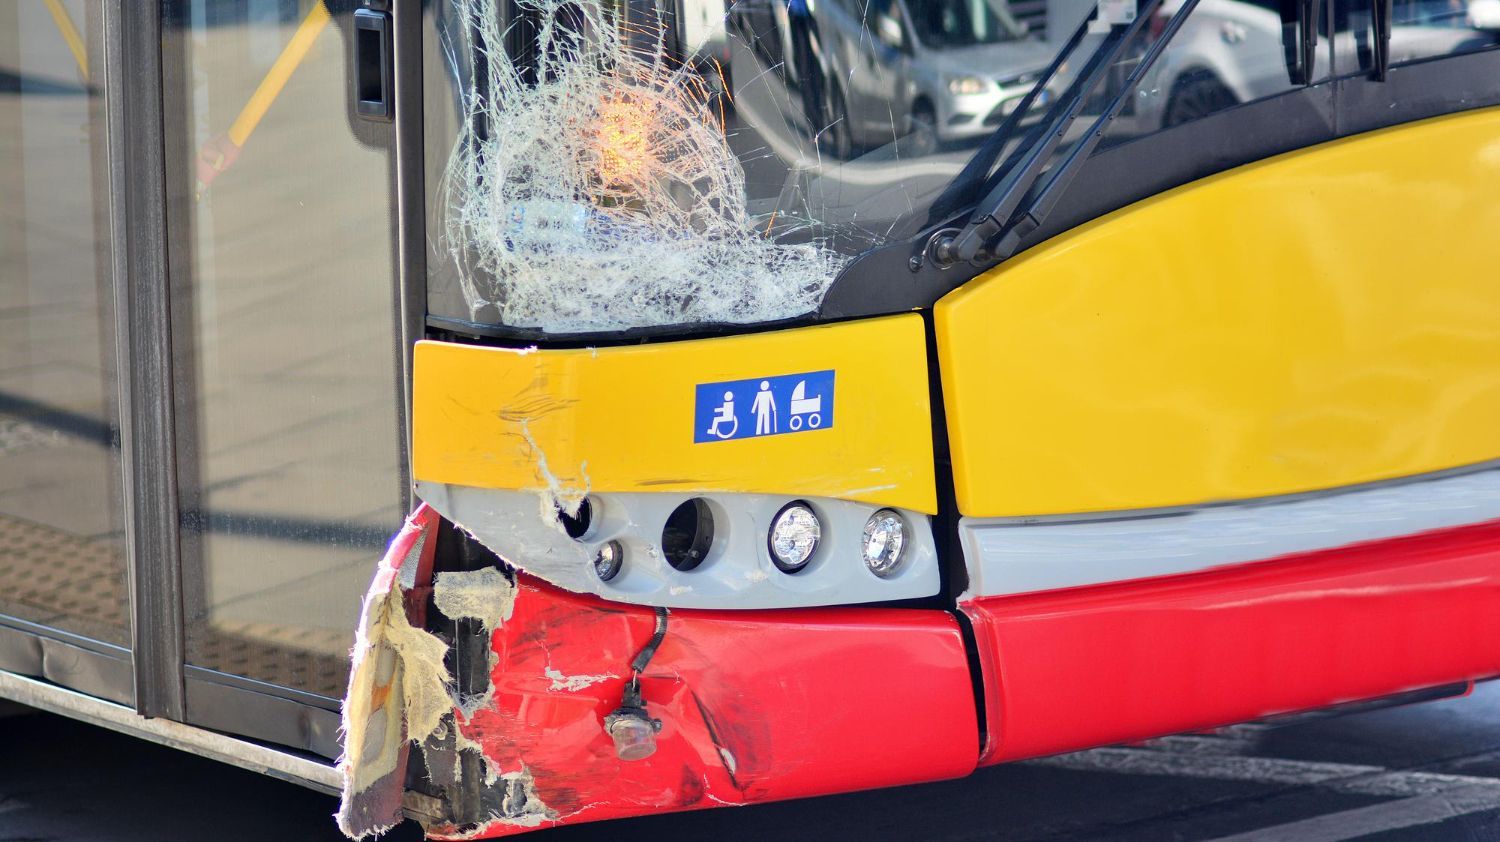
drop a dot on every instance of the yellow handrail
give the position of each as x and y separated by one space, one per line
221 151
276 78
70 34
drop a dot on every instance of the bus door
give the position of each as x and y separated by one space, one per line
201 402
286 328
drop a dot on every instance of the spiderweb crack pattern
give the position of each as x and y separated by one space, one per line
592 188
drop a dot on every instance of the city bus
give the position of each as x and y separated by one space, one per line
518 413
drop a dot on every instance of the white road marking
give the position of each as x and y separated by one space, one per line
1235 739
1145 761
1341 777
1422 797
1377 818
10 805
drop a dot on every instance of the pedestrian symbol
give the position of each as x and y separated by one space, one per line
790 403
764 409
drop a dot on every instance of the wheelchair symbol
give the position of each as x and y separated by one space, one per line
725 414
805 409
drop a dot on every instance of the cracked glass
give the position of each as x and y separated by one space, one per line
597 165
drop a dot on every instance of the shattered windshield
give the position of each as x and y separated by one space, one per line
596 165
606 165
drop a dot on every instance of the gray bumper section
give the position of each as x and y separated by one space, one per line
737 573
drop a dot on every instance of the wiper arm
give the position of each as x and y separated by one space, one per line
977 171
995 229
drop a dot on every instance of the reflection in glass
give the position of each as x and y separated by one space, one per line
286 358
848 121
62 558
1419 29
1228 52
842 120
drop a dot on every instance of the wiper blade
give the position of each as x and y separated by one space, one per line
995 229
977 171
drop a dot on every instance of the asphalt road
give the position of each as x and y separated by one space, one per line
1421 772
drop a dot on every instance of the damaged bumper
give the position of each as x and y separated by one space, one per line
753 705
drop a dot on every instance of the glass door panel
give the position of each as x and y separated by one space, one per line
62 552
280 210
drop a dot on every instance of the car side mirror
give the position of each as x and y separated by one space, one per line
889 31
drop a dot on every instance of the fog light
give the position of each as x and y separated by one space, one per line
632 729
884 540
633 732
794 536
607 562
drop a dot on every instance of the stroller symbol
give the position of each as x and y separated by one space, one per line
805 408
725 414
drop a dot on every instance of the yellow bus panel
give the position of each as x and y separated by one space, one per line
623 419
1323 318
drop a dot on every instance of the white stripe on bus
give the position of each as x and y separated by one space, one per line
1009 556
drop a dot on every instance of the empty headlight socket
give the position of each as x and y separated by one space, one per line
688 535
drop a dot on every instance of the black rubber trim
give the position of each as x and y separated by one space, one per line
138 209
443 327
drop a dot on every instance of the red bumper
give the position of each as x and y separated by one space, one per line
755 706
1083 667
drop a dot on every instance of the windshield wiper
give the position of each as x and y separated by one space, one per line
995 229
959 192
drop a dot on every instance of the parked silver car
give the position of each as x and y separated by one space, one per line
934 71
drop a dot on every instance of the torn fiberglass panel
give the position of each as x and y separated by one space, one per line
601 165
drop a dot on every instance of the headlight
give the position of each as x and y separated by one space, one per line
607 562
966 85
884 540
794 536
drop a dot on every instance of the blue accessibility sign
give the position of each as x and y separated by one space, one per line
763 406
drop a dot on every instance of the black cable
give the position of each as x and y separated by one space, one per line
638 665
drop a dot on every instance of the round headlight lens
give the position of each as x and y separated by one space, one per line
884 541
607 562
794 536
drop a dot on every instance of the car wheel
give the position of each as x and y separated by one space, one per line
923 139
1198 94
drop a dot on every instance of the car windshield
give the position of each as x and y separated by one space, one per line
945 24
608 165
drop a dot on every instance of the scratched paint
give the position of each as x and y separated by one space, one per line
729 736
558 663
